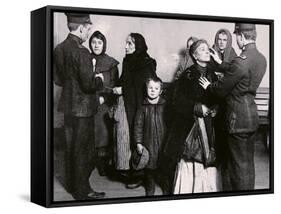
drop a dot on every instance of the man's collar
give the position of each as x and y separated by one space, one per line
249 46
75 38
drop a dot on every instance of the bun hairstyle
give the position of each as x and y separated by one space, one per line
192 38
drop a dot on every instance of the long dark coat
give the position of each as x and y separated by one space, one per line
189 97
103 125
136 69
150 129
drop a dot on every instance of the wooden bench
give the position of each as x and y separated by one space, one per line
262 101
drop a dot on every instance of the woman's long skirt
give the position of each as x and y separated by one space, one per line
193 177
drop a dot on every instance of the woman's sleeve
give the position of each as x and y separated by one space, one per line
184 104
108 95
138 127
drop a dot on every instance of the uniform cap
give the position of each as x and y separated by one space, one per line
240 27
78 18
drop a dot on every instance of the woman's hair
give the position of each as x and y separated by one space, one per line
154 79
194 47
140 44
99 35
192 38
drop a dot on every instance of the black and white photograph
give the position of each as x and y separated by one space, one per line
152 107
162 107
146 106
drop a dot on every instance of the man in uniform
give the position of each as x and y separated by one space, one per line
73 71
238 87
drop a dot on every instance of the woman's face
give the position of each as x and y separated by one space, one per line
130 45
202 53
222 41
97 46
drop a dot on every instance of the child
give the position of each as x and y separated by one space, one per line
149 130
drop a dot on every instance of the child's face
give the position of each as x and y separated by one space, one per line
153 89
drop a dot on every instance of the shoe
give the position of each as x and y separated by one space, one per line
134 185
96 195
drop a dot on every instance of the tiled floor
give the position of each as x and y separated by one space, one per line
116 189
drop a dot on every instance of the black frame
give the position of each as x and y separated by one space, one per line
42 104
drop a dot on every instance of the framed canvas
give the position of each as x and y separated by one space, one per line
134 106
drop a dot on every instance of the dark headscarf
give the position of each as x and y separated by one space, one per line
99 35
140 44
103 61
229 52
140 57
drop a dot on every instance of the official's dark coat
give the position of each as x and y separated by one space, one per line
73 70
150 129
242 78
238 87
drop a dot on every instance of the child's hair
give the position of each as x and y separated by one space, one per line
154 79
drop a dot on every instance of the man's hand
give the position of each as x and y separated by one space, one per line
117 90
100 75
139 148
215 56
204 82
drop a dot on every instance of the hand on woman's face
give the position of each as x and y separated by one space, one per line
97 46
130 47
202 53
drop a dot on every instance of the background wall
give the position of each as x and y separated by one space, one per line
15 107
166 39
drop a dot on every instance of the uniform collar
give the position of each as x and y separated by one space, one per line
249 46
75 38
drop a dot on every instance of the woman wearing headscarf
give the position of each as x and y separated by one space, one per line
138 66
190 147
106 65
223 45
